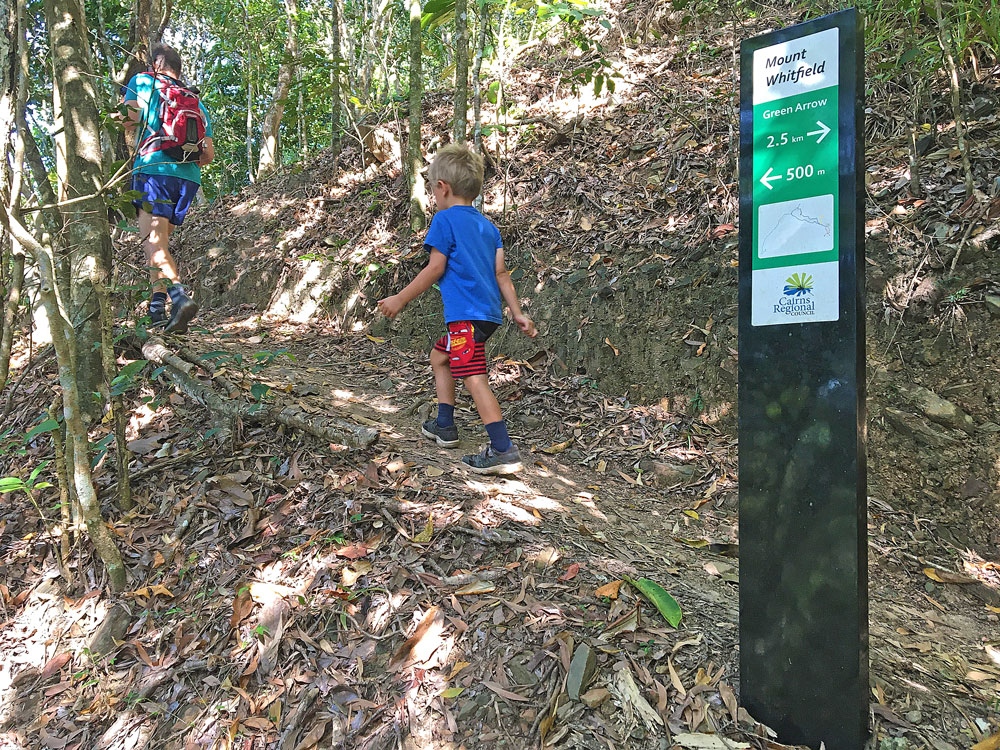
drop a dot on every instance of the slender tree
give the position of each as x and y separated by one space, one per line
14 88
414 156
270 158
461 69
335 59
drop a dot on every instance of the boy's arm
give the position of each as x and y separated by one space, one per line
393 306
509 295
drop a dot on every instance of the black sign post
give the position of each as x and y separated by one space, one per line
803 509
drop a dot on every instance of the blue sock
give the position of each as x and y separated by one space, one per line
176 292
499 438
446 415
158 303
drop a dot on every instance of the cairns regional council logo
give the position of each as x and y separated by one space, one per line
796 298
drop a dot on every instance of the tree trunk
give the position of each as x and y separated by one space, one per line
461 69
477 88
64 341
300 119
79 165
270 157
414 157
335 55
13 94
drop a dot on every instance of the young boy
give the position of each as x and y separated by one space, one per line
466 260
167 188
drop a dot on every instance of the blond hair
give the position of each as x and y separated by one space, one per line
460 168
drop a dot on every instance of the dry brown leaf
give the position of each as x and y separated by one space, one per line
477 587
504 693
350 574
627 623
570 573
729 699
425 536
943 576
609 590
54 665
424 641
433 471
242 606
558 447
675 679
353 551
311 740
613 347
990 743
259 723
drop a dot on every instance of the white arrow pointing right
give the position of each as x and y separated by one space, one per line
767 179
822 132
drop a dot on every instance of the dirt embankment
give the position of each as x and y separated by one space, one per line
618 215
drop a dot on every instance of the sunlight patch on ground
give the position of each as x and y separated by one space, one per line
46 627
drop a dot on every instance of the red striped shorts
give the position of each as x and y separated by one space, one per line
466 357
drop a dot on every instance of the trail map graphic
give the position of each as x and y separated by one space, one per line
804 225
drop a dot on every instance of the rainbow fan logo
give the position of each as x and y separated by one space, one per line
798 284
796 298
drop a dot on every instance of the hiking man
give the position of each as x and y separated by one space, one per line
173 140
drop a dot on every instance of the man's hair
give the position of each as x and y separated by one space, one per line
460 168
166 58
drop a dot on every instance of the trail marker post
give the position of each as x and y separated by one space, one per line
803 484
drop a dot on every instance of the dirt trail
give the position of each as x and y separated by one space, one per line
309 597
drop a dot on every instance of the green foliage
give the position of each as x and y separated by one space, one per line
16 484
126 379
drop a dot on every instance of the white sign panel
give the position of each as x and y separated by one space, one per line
796 67
796 294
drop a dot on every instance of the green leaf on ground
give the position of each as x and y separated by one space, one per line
658 595
47 426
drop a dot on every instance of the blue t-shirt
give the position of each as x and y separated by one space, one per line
140 89
470 242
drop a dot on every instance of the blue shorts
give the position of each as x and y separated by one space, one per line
164 195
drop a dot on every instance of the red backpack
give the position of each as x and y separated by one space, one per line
182 123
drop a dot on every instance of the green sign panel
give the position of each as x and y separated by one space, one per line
795 181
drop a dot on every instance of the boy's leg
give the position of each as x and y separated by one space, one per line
444 384
486 403
442 429
501 456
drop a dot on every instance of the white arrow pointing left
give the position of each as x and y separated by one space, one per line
767 179
823 132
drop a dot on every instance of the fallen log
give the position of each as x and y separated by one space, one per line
228 412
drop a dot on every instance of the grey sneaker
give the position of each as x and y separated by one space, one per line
181 313
157 319
446 437
489 461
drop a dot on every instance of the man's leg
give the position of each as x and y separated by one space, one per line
155 232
